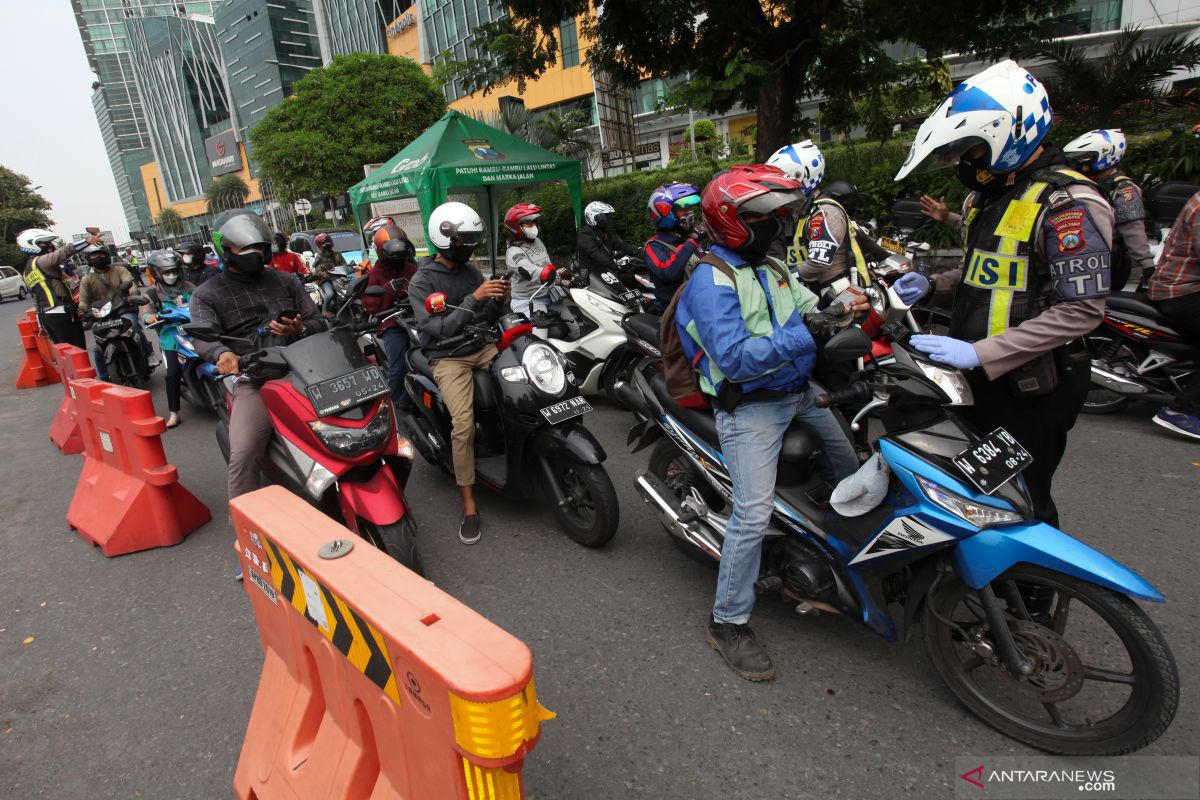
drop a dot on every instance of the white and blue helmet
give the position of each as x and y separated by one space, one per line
803 162
1004 107
1097 150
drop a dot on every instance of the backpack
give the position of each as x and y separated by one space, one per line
678 370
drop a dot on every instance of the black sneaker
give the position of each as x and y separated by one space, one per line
741 651
470 530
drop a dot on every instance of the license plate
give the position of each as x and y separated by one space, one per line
106 324
565 410
630 296
891 244
993 461
332 396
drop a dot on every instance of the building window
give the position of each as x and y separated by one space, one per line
1090 17
568 37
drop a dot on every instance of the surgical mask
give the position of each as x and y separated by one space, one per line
100 263
278 248
763 232
249 262
975 174
530 231
187 258
170 278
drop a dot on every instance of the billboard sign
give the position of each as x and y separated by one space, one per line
223 154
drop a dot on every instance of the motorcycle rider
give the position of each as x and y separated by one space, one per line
191 258
237 302
676 241
526 256
455 230
1097 154
1175 290
394 267
598 245
804 163
170 290
322 267
99 286
1038 238
753 355
830 244
284 260
45 274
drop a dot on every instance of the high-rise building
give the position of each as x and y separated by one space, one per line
355 26
118 105
447 25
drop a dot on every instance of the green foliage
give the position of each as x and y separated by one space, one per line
360 109
226 192
169 222
20 208
902 91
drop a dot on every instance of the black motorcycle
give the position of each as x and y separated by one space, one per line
526 427
117 338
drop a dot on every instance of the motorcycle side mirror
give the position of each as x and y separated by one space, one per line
203 331
140 301
375 291
548 273
848 345
435 304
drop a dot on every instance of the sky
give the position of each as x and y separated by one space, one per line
50 132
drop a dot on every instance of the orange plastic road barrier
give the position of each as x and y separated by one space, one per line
128 497
73 364
376 684
38 367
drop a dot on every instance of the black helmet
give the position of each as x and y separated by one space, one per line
195 251
397 251
280 241
844 192
239 228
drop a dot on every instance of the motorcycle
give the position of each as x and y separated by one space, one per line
335 441
201 384
117 338
526 427
1136 355
1035 632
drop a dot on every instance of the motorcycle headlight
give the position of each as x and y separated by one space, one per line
950 381
544 368
970 512
351 442
104 309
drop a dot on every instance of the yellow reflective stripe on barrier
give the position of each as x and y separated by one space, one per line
497 729
346 630
1015 228
491 783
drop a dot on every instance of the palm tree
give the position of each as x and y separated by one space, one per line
169 222
226 192
1126 86
565 134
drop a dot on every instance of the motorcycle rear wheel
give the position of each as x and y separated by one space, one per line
591 514
1046 709
398 540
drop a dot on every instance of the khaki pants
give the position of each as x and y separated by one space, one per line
457 385
249 435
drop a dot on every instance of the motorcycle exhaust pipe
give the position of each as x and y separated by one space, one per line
680 522
631 397
1107 379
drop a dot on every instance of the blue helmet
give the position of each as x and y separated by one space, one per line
670 201
1097 150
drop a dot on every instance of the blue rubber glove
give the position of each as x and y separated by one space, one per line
954 352
911 287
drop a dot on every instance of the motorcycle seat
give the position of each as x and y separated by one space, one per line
419 361
1136 303
644 326
800 443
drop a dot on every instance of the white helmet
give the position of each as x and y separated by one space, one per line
1097 150
455 221
1003 107
31 240
801 162
591 214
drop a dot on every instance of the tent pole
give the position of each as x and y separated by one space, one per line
495 230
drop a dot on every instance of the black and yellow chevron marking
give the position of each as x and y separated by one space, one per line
354 638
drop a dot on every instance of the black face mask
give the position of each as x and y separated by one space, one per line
762 233
976 175
100 263
604 222
249 262
460 253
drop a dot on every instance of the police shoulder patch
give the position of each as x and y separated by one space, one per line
1059 198
1068 225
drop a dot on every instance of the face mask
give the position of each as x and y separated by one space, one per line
170 278
975 175
763 233
604 222
248 262
101 263
187 258
460 253
278 248
530 231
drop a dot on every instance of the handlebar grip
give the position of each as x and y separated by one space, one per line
855 392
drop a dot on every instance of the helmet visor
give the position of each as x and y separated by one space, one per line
773 201
948 155
469 238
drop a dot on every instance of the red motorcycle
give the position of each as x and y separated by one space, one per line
335 442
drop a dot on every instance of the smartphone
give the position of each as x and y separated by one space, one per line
286 316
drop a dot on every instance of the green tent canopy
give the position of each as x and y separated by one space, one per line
460 155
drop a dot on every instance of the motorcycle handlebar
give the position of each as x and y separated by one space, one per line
855 392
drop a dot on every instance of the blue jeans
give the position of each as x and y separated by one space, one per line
395 345
751 437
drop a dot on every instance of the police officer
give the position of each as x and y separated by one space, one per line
45 272
833 246
1096 154
804 163
1038 238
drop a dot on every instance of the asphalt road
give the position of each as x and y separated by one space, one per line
141 671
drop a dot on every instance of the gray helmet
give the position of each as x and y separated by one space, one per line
240 228
161 260
94 248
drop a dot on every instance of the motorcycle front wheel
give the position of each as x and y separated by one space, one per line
590 514
1104 681
398 540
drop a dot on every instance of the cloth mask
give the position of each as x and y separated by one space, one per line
248 262
100 263
976 175
762 233
460 253
187 258
170 278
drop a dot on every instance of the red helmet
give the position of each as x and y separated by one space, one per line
518 214
754 188
323 240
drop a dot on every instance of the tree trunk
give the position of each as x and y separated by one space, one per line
777 110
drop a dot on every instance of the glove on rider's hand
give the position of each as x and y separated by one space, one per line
829 321
911 287
698 230
947 350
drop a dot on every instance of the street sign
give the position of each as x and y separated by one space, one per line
303 206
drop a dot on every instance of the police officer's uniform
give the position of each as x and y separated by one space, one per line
1132 246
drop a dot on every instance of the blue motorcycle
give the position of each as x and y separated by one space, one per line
1035 632
201 385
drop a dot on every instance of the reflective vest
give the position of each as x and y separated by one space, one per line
1003 276
798 253
35 279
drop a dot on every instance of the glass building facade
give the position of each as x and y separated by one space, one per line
448 26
